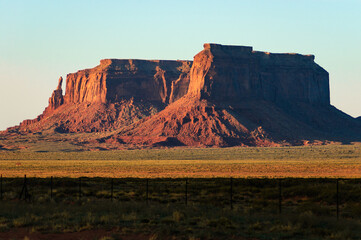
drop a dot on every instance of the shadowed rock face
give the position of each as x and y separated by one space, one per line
235 73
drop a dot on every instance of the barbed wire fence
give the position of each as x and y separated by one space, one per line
338 197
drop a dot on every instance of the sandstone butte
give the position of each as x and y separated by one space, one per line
228 96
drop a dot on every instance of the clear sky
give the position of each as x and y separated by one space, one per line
42 40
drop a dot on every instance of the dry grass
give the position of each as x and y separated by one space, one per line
315 161
181 168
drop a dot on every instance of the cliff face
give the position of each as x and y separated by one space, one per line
235 73
114 79
87 85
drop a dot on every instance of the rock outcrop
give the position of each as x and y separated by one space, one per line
236 73
228 96
56 99
237 96
114 94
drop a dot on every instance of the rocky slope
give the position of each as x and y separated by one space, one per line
228 96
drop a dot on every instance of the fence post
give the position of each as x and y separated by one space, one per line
111 190
231 193
24 190
1 187
186 193
147 190
51 187
79 188
337 199
280 196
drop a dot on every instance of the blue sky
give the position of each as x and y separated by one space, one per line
42 40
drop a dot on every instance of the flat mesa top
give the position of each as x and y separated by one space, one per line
234 50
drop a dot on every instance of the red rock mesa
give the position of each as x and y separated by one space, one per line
228 96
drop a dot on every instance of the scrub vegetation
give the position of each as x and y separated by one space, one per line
308 161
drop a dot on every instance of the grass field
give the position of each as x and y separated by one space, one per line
119 221
308 209
308 205
309 161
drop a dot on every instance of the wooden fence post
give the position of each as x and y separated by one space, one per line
79 193
51 187
231 193
186 192
337 200
1 187
111 190
24 190
280 196
147 190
